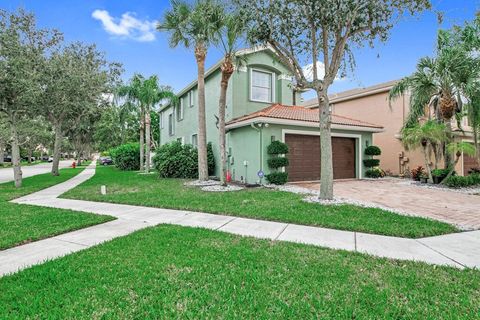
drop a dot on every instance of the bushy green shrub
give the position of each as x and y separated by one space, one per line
126 157
174 160
375 173
373 151
278 162
440 172
277 177
463 182
277 147
370 163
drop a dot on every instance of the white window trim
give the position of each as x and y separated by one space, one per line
191 140
358 146
173 124
273 84
180 114
190 99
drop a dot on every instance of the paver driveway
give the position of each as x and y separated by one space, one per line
452 207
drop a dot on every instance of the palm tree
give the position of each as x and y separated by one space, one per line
459 148
424 136
233 29
195 26
437 86
150 94
132 93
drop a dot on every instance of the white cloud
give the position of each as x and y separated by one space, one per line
308 71
128 26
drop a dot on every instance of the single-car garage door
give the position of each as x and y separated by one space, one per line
469 163
304 157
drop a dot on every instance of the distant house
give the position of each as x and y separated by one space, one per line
260 109
371 104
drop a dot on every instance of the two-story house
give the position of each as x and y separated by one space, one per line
371 104
261 108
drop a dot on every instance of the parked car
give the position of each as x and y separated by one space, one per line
50 159
7 159
106 161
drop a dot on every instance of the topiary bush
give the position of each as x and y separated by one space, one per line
174 160
276 162
277 147
370 163
277 177
373 151
375 173
126 157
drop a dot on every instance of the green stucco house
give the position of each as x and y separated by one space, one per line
262 107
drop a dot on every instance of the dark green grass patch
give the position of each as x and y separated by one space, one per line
175 272
148 190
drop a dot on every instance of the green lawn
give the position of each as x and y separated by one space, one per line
23 223
176 272
149 190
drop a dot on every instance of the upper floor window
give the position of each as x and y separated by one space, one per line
171 129
190 99
180 110
262 86
194 140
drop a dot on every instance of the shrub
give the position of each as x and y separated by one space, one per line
417 172
174 160
370 163
277 147
278 162
277 177
440 172
126 157
462 182
375 173
373 151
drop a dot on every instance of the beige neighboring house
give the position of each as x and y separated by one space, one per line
371 104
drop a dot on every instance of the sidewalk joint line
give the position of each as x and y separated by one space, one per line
276 238
427 246
79 244
223 225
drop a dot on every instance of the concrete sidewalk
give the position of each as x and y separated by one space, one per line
457 250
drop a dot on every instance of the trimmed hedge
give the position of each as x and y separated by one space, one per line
277 147
463 182
174 160
278 162
374 173
373 151
126 157
370 163
277 177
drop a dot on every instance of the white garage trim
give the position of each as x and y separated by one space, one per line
358 138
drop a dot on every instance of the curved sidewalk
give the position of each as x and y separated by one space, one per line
458 250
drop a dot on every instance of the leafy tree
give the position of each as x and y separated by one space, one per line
73 78
34 133
22 48
303 32
424 136
195 27
231 33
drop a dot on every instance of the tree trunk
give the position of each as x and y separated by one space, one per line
57 149
227 71
17 169
147 138
427 165
142 137
452 170
200 55
29 155
2 153
326 166
448 156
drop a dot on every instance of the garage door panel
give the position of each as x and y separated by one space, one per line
304 157
469 163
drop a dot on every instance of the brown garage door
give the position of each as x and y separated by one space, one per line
469 163
304 157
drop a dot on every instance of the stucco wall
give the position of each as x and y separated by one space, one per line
375 109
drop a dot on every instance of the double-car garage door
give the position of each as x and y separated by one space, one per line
304 157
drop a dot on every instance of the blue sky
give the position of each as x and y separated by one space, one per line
133 42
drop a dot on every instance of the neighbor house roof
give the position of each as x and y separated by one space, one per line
216 66
354 93
298 115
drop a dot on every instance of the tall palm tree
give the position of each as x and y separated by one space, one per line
424 136
232 31
131 92
195 27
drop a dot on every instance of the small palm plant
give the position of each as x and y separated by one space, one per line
424 136
459 149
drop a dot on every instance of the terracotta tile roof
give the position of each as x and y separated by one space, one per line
299 113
